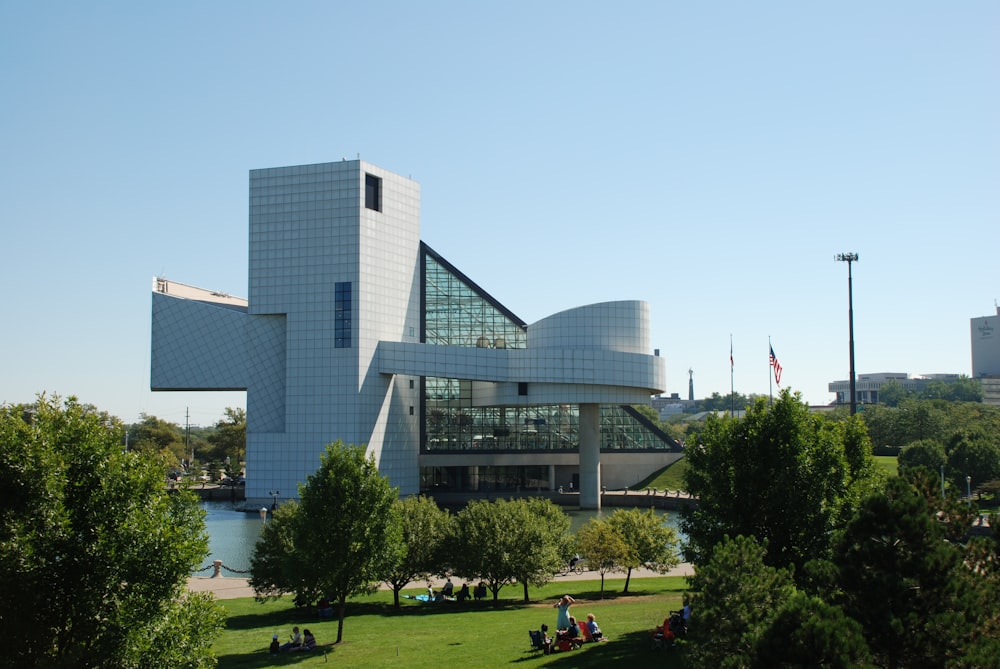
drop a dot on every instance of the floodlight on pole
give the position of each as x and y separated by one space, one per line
850 258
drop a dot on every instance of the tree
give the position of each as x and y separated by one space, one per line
782 475
543 539
964 389
157 437
340 539
892 393
736 597
809 632
923 453
507 541
604 548
95 553
975 454
229 439
903 582
426 529
650 542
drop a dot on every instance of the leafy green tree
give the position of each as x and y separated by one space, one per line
604 548
426 530
809 632
341 538
737 596
972 453
94 552
719 402
782 475
892 393
157 437
923 453
650 542
229 439
507 541
543 539
903 582
965 389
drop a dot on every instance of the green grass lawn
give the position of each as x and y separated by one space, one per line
459 636
668 478
888 463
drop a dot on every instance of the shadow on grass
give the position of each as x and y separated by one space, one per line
595 594
260 657
631 650
287 617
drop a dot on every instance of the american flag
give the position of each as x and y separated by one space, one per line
777 367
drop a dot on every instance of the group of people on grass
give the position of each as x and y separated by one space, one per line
447 592
297 642
570 633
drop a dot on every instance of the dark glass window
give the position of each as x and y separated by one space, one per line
373 192
342 315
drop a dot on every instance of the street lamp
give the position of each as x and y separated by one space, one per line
850 258
263 514
968 489
274 498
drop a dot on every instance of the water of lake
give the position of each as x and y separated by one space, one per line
232 532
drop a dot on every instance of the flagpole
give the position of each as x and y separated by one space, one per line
770 397
732 386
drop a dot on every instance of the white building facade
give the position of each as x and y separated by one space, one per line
355 330
985 332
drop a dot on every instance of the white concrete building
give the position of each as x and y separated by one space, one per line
354 329
985 332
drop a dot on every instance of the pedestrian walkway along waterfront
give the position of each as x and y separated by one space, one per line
224 587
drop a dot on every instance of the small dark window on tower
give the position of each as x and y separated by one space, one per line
373 192
342 315
522 388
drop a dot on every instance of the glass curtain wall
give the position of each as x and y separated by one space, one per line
459 313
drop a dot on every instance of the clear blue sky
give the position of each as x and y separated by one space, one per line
710 158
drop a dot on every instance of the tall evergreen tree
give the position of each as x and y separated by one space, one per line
903 582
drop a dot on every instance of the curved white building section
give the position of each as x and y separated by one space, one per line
613 326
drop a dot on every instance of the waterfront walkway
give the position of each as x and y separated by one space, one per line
226 587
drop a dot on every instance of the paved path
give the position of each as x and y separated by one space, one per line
226 587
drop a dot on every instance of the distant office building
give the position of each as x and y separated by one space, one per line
867 386
985 332
354 329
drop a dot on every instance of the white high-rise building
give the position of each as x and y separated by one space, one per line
354 329
985 332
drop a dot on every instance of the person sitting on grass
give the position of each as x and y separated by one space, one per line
275 645
593 629
308 641
464 593
295 641
572 630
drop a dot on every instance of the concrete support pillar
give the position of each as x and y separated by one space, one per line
473 478
552 477
590 456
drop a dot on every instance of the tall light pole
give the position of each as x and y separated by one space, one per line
850 258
